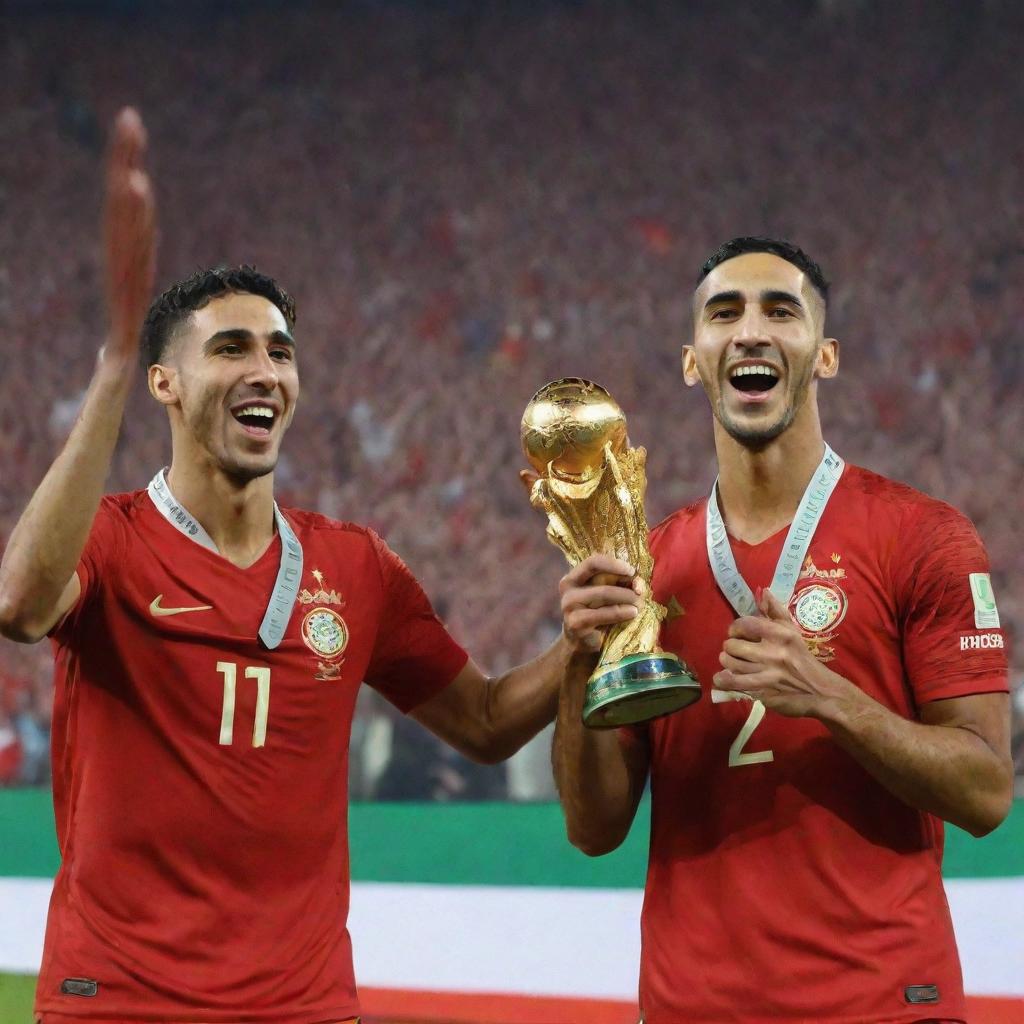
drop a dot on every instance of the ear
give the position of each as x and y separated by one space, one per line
163 384
826 365
690 373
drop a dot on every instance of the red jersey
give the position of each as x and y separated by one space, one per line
200 778
785 883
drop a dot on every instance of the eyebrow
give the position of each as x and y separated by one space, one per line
777 296
718 297
242 334
772 295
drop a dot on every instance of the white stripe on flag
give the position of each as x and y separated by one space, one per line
541 941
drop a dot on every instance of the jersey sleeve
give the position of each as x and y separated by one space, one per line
953 645
414 657
104 547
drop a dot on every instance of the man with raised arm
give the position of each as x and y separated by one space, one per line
845 635
209 647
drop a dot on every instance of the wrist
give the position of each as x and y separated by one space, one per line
843 703
113 366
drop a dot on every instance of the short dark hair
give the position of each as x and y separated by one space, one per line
755 243
181 300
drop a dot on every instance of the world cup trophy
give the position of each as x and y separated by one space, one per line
591 486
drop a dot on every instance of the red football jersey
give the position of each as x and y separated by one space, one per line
785 883
200 779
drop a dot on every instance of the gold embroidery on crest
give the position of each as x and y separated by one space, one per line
811 571
324 631
320 596
819 607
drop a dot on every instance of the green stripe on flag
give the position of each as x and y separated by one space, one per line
480 844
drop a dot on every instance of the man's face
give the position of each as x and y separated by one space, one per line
231 372
758 345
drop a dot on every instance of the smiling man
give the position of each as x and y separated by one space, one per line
209 648
845 634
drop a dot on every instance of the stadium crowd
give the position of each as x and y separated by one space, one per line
470 201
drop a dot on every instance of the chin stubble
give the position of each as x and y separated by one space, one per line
203 426
757 437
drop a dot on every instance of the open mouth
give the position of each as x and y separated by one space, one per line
754 380
257 420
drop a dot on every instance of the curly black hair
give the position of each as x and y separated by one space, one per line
181 300
754 243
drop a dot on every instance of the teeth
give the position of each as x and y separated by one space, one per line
747 371
256 410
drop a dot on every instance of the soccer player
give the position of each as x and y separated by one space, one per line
209 646
848 644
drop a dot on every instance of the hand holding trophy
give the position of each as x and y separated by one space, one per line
591 488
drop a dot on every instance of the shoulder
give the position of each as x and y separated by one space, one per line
683 521
909 508
314 529
307 524
925 537
124 504
117 512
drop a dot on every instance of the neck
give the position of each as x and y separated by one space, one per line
238 517
759 490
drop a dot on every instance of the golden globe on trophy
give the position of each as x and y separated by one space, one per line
591 487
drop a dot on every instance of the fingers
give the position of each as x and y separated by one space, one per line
593 565
615 604
742 656
600 592
596 594
753 684
753 628
127 142
129 232
584 620
730 684
583 626
528 478
772 608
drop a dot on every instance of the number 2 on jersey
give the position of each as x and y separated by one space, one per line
229 670
736 755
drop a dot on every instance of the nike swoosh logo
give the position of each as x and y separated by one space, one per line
157 609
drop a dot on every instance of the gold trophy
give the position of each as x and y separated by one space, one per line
591 488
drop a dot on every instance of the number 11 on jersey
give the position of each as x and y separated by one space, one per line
229 670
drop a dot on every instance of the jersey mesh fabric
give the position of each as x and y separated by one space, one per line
205 877
791 886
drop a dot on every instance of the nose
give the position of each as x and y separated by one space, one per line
750 330
262 372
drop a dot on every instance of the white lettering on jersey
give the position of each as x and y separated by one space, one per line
981 642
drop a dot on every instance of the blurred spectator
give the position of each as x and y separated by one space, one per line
10 751
468 205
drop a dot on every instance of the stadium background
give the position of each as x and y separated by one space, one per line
469 199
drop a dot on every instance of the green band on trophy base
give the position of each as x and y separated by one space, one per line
637 689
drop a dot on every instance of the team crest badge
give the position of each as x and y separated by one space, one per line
819 607
324 631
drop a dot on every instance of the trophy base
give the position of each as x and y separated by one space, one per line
637 689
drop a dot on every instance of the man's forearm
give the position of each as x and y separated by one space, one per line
48 540
523 700
946 770
598 786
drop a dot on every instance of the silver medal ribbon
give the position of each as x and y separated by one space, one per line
289 574
801 532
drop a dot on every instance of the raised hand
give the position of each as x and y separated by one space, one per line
129 234
766 658
599 592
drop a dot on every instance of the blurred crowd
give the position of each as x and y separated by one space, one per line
469 200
